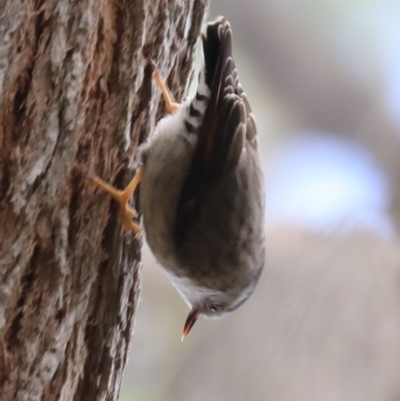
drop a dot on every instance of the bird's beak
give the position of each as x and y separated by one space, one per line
190 321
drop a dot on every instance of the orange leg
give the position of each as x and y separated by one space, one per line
122 197
169 100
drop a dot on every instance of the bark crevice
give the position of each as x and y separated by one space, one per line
76 99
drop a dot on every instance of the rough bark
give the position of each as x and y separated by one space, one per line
76 98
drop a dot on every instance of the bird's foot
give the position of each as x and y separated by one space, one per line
122 197
170 104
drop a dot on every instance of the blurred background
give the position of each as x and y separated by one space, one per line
323 78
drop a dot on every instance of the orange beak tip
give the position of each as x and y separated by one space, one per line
190 321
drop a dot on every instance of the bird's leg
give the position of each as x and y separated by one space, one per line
122 197
169 100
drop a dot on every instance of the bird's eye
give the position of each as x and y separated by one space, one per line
213 309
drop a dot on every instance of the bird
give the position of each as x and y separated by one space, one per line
201 187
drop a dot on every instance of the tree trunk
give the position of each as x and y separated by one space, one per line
76 99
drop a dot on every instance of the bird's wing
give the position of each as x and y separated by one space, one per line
226 124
